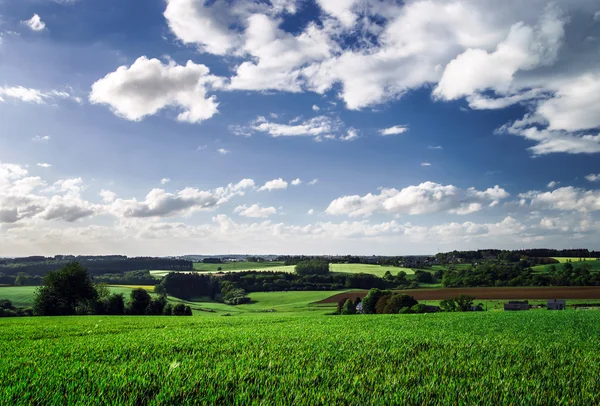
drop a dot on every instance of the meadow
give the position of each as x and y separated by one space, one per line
536 358
574 260
377 270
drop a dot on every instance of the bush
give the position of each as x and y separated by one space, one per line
348 307
381 304
188 311
156 306
179 309
419 308
406 310
423 277
168 309
370 301
398 302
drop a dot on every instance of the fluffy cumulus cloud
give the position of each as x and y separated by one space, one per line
593 177
274 185
493 54
428 197
255 211
566 198
160 203
35 23
24 197
149 85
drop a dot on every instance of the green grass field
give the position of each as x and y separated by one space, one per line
377 270
535 358
574 260
593 264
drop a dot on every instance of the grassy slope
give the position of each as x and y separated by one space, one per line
574 260
595 265
493 358
237 266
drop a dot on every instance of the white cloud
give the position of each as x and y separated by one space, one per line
255 211
428 197
201 147
340 9
41 138
425 164
524 48
274 184
108 196
223 151
435 147
593 177
164 181
351 135
36 96
296 182
314 127
395 130
315 107
313 182
159 203
552 184
148 86
35 23
206 26
564 199
310 212
44 165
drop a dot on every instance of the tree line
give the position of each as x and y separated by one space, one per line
71 291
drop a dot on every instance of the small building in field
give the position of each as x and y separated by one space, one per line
554 304
516 305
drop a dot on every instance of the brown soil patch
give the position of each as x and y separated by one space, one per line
575 292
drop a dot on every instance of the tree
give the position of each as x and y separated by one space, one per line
397 302
448 305
464 303
115 304
567 267
370 301
312 267
156 306
388 276
382 303
187 311
64 290
179 309
348 307
168 309
423 277
139 300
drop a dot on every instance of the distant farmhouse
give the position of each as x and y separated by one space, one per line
516 305
554 304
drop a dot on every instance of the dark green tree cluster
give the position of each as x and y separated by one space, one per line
8 310
188 286
386 302
312 267
71 291
462 303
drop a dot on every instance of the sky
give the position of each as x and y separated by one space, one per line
366 127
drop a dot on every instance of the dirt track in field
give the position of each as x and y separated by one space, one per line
575 292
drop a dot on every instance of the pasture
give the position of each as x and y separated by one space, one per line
538 358
574 260
377 270
238 266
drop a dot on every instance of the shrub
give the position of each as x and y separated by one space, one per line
168 309
348 307
188 311
398 302
179 309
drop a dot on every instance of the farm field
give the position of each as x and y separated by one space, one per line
593 264
574 260
539 358
377 270
513 293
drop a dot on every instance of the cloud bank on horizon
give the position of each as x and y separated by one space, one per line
324 126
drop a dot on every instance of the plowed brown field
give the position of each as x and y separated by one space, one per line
575 292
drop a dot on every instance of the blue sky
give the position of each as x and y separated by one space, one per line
169 127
